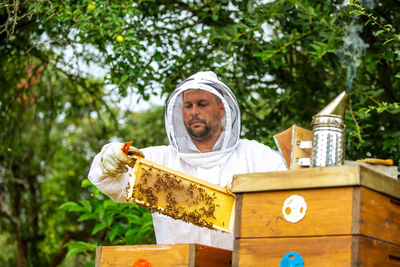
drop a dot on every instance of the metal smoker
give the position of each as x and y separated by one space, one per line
328 134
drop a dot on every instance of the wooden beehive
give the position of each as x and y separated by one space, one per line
351 217
162 255
180 196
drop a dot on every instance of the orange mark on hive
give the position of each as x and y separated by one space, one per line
141 262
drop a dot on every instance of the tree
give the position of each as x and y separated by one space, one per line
285 60
52 132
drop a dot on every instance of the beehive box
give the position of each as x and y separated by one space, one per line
335 216
180 196
162 255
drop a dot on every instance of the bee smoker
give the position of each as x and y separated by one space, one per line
328 134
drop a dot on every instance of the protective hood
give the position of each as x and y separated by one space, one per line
179 138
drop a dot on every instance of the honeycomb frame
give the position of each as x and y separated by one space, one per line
180 196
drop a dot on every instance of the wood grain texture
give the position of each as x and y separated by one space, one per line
351 251
98 257
356 220
390 171
212 257
168 255
238 215
163 255
380 216
374 253
329 212
380 182
315 251
355 250
346 175
297 179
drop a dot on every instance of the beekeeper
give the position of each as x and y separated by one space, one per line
202 120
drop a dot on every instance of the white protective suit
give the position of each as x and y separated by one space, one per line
230 156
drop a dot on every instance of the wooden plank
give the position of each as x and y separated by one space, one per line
380 182
329 212
346 175
380 216
390 171
316 251
238 215
206 256
235 253
98 257
355 250
355 224
157 255
191 255
377 253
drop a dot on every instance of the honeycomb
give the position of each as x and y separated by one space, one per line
180 196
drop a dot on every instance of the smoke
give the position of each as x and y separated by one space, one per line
350 53
368 3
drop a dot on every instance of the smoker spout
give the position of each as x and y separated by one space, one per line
336 107
328 133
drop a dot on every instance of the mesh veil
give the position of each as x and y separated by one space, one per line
179 138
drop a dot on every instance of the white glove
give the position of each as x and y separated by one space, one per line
113 160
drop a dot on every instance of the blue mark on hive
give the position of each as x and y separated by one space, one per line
292 259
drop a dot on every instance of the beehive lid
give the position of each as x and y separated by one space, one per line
180 196
346 175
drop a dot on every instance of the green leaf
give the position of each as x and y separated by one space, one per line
74 251
81 244
397 75
71 206
113 233
87 205
85 183
98 228
387 41
108 220
131 232
86 216
379 32
100 211
109 203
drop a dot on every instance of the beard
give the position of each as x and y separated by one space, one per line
203 134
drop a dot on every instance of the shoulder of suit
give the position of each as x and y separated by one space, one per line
252 144
156 151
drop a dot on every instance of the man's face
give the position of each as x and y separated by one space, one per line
202 114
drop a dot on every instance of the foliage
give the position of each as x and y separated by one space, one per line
116 223
284 60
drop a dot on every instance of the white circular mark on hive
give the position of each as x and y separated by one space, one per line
294 208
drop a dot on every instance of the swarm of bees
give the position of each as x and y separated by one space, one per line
169 194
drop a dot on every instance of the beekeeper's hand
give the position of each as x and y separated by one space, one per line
113 160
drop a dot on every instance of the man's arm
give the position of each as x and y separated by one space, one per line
109 170
113 187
